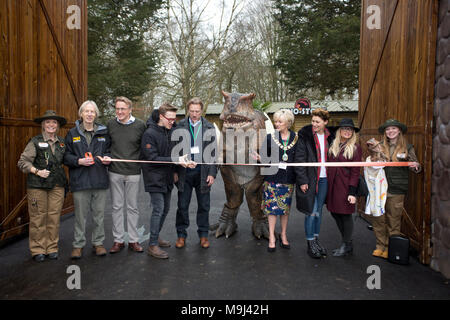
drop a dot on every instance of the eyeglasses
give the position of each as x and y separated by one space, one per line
170 120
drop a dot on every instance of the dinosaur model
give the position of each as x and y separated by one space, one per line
241 133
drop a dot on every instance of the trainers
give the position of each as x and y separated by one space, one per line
99 250
155 251
76 253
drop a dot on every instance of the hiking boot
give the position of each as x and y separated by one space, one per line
313 249
155 251
76 253
99 250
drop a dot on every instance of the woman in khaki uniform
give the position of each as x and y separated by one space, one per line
395 148
42 160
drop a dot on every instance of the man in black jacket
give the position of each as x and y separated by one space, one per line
198 133
156 145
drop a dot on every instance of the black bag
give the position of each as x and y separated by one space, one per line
362 190
398 251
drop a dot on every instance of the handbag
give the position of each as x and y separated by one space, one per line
362 190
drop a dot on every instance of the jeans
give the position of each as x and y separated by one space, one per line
313 221
193 180
161 205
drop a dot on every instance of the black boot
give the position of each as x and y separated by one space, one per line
322 250
313 249
345 249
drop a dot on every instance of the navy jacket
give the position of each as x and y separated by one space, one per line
82 177
282 176
204 170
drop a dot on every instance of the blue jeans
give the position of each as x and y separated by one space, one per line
193 180
313 221
161 205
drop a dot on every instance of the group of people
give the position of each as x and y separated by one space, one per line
94 154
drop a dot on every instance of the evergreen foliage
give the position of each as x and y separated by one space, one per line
319 45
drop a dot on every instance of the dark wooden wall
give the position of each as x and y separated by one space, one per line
43 65
397 69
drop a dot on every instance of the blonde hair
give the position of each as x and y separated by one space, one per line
85 104
349 147
400 147
285 115
125 100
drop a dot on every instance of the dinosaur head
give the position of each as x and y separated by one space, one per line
238 112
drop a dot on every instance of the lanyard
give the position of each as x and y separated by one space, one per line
192 131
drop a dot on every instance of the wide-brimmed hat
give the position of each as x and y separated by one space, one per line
392 123
50 114
347 122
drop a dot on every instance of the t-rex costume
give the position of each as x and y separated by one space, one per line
241 119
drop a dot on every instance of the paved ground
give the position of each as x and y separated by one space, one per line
238 268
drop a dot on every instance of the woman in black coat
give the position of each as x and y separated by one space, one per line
311 182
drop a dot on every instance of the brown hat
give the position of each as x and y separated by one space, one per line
50 114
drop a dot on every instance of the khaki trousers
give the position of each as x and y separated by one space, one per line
44 208
89 201
390 223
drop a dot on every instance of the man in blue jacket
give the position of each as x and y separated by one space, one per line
87 153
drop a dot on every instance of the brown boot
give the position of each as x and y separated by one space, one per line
180 243
135 246
155 251
117 246
163 243
204 243
100 250
76 253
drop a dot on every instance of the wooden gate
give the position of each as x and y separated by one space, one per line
43 65
397 70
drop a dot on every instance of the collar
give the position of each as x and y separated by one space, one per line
130 121
194 124
47 138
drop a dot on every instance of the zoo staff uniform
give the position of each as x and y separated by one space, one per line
45 196
389 224
88 184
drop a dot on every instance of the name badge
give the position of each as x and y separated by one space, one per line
76 139
282 166
43 144
195 150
